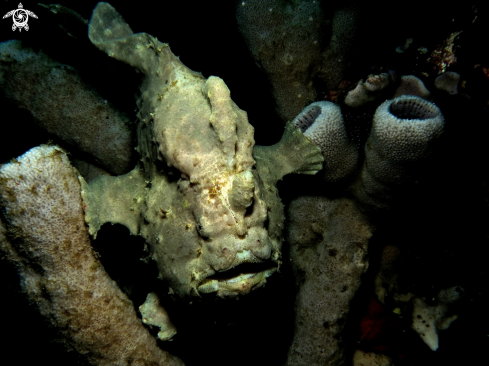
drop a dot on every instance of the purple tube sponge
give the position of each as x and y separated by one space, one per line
322 123
403 131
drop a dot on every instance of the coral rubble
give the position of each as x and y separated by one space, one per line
448 82
373 88
154 314
428 320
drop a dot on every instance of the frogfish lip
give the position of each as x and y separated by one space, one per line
238 280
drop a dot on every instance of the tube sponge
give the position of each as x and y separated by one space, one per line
322 123
403 131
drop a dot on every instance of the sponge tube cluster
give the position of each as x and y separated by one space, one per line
403 132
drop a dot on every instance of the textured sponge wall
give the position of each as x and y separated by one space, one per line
328 247
65 106
298 46
45 236
284 41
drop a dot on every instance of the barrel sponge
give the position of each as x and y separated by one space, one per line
322 123
402 134
46 238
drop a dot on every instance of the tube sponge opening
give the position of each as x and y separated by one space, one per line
410 108
403 132
322 123
308 116
403 129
